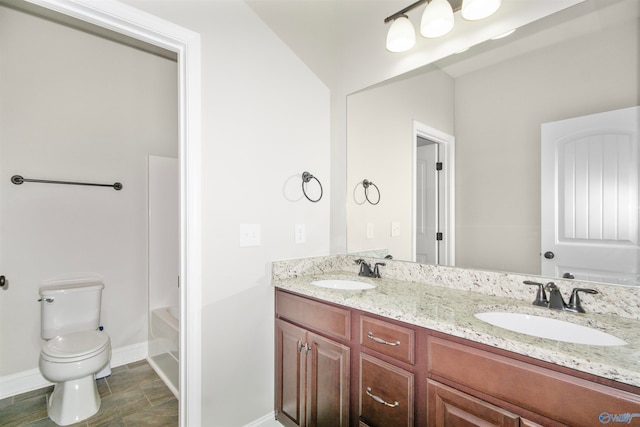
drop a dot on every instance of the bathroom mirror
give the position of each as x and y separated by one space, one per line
493 100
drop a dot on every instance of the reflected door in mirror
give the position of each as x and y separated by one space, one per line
590 197
427 202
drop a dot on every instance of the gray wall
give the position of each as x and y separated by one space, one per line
379 148
498 113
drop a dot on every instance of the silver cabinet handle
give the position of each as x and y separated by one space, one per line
381 341
304 346
47 300
381 400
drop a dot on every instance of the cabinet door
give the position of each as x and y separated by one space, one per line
290 374
386 394
448 407
327 382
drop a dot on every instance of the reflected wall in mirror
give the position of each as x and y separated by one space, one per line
493 99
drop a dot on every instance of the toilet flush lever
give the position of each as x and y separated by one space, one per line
47 300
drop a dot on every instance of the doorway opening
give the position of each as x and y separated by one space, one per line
133 23
433 212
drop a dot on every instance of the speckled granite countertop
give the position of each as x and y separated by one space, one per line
451 311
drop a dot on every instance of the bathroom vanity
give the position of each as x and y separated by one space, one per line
411 353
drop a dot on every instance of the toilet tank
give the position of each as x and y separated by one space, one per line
69 306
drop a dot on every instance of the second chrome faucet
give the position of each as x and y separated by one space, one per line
555 301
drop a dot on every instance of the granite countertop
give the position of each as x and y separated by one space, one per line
451 311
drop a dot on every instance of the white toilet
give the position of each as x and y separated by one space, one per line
75 349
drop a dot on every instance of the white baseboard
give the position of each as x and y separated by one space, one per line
267 420
130 353
32 379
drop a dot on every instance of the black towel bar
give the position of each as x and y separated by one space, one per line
17 179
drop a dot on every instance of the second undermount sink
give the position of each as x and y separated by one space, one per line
351 285
553 329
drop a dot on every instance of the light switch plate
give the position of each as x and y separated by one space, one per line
249 235
395 229
369 230
300 234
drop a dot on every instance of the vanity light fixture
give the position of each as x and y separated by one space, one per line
437 20
401 36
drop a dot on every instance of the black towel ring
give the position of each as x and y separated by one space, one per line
366 183
306 177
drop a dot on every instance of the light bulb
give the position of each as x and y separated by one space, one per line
473 10
437 19
401 36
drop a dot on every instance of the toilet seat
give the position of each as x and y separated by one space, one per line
75 347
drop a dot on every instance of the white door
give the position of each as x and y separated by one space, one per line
427 196
590 197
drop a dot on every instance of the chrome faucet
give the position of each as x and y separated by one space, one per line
555 301
366 271
365 268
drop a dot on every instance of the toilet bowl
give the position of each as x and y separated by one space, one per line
75 350
71 362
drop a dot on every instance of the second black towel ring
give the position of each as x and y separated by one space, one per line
366 184
306 177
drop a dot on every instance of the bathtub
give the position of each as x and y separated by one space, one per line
164 345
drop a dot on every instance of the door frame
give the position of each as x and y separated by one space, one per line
140 25
446 148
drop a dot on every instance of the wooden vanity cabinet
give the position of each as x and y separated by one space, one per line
312 371
496 385
378 372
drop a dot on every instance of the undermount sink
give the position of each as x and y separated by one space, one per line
351 285
552 329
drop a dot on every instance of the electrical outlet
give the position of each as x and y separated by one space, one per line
395 229
249 235
300 234
369 230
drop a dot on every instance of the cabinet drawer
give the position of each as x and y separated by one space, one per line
387 338
315 315
450 407
386 394
537 389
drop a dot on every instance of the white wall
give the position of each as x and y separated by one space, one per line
266 120
80 108
380 146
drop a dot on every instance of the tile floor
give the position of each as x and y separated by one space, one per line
133 395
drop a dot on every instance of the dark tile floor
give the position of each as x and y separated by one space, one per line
133 395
